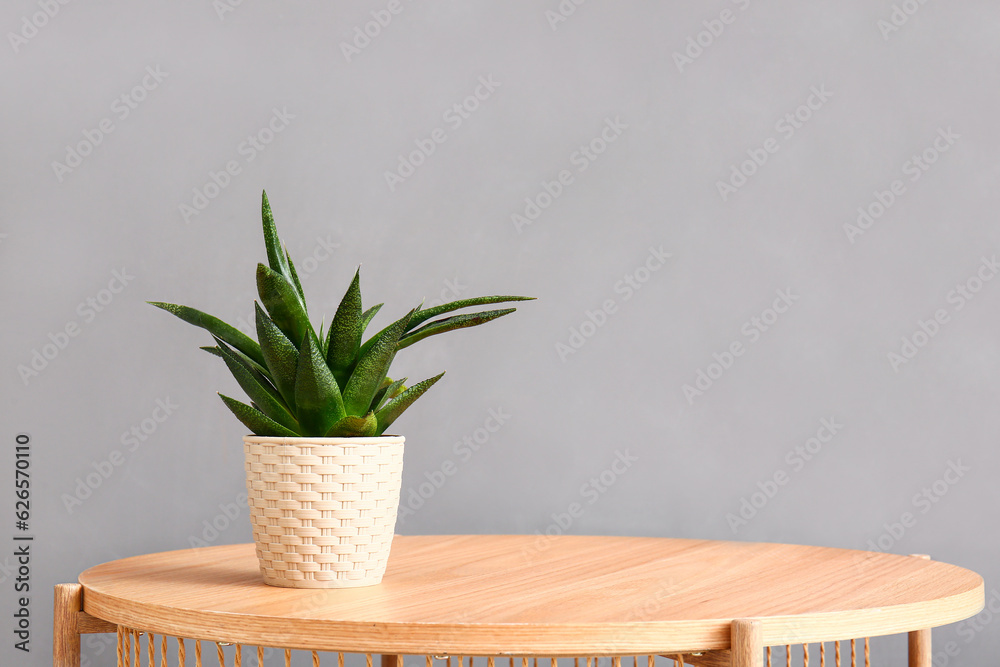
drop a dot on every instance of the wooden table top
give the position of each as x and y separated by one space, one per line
540 596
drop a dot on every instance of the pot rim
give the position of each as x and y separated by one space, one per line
299 440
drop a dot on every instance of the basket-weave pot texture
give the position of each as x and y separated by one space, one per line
323 509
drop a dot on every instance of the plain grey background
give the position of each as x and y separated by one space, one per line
647 107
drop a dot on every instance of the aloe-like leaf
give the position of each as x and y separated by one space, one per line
282 304
295 281
255 420
318 402
372 367
353 426
391 410
380 392
216 327
280 355
422 316
367 316
344 337
265 397
451 323
276 258
389 389
371 342
396 388
259 372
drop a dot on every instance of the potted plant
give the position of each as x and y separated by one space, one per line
323 478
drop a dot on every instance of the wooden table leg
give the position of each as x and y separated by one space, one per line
919 649
747 643
66 634
392 660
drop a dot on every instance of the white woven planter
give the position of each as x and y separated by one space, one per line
323 509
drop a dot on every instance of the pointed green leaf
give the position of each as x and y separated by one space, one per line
372 367
395 407
296 282
380 392
258 371
371 342
216 327
318 402
280 355
387 391
422 316
282 304
323 341
255 420
264 396
353 426
367 316
451 323
344 337
276 259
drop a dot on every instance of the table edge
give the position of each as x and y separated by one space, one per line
534 639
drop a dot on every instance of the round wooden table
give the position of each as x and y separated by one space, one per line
519 595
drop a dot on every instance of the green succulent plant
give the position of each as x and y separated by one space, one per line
301 383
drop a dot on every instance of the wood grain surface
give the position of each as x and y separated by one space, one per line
541 596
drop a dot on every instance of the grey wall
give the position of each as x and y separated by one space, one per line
899 101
